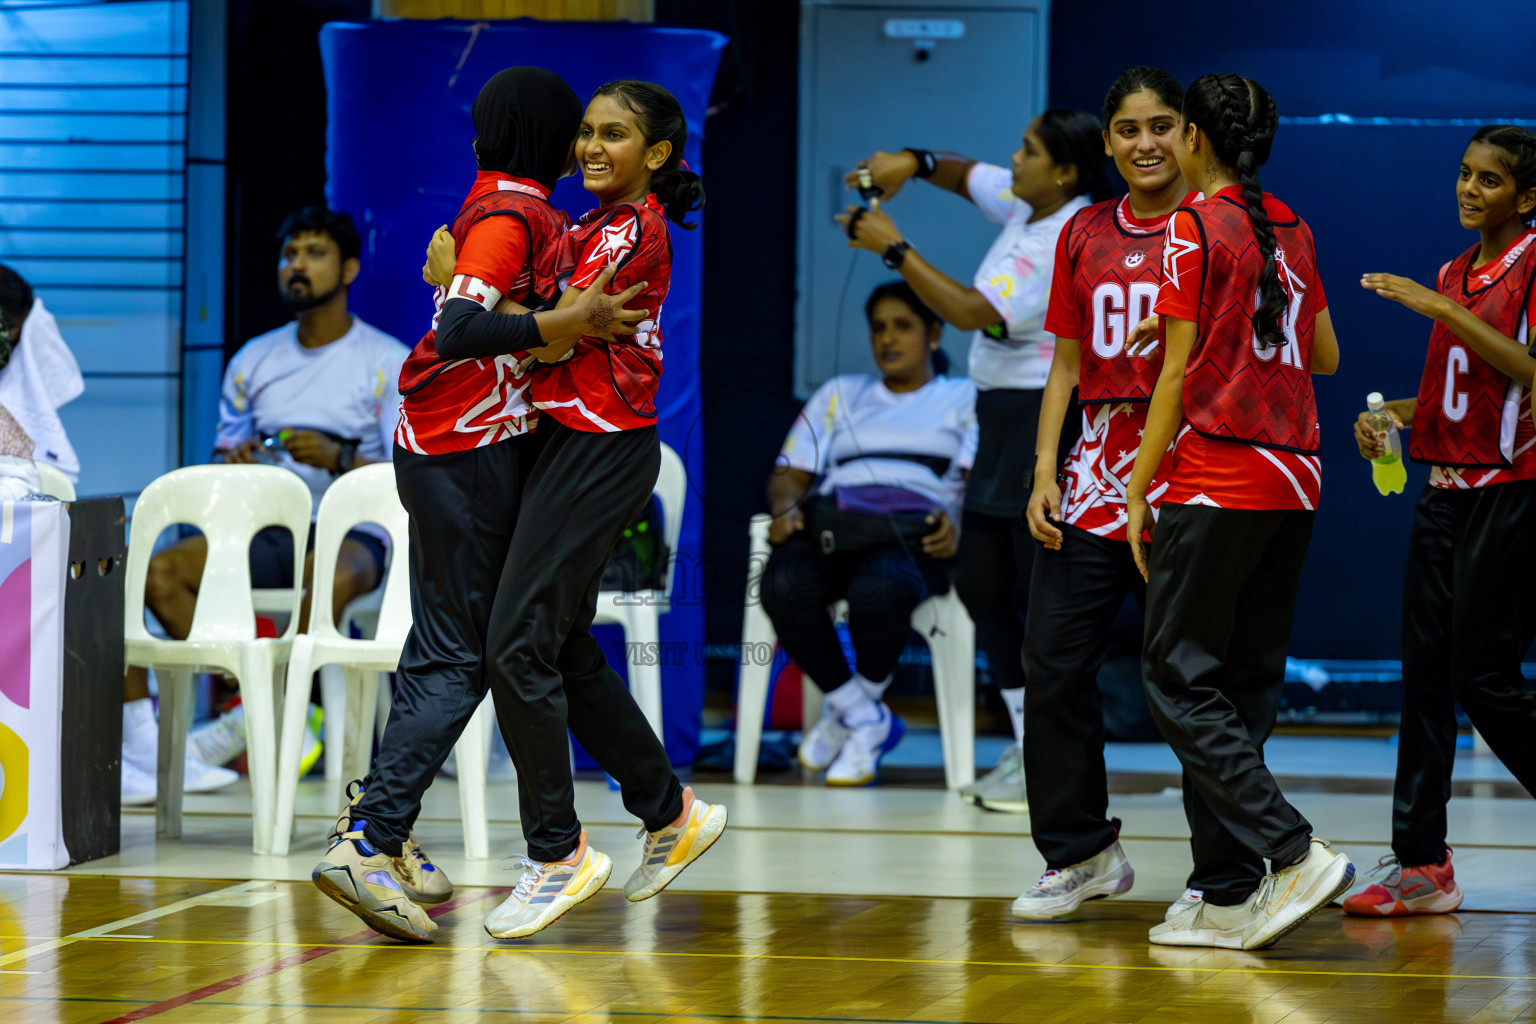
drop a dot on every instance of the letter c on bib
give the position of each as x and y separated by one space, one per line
1455 402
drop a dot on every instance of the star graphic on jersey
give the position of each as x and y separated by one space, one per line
1172 250
616 240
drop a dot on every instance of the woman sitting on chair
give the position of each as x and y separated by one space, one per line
892 451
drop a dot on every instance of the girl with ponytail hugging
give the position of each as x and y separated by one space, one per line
1468 615
463 446
1245 325
598 456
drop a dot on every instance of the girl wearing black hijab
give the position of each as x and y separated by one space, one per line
461 456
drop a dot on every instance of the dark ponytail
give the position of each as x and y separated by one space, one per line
1072 138
660 118
1238 117
1132 80
1519 146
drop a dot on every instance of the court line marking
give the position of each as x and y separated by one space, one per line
128 922
314 952
812 958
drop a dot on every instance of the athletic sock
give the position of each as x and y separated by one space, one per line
875 690
850 703
141 736
1015 700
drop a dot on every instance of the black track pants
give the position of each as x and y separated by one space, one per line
548 673
1220 600
1469 616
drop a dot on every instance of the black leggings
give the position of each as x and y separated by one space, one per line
882 587
1469 615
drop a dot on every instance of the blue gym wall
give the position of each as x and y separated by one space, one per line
1378 197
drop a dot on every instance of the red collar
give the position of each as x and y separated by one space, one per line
487 182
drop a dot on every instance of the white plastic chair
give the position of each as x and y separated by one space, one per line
640 613
942 621
229 504
55 483
365 495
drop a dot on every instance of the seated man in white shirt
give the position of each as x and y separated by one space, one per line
317 396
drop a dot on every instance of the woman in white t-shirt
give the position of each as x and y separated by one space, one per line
891 452
1055 171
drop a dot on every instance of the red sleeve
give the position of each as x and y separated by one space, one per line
1061 314
495 251
613 240
1183 269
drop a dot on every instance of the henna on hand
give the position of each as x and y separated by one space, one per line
600 314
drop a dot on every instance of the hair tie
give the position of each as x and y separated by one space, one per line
684 165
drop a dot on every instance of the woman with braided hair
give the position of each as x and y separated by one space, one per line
1244 325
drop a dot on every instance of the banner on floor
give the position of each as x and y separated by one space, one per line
34 546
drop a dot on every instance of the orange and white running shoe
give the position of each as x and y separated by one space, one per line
1420 889
674 847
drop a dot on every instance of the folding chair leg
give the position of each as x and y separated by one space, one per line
752 679
333 695
642 631
358 748
257 685
177 704
471 754
290 747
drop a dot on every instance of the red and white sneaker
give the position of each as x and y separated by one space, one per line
1421 889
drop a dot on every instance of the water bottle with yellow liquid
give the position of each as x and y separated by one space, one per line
1387 470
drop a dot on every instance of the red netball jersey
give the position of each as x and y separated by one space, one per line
510 242
1251 412
608 386
1469 414
1105 282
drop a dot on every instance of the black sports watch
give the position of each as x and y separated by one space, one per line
346 459
895 253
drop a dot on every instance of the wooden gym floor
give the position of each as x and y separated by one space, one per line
887 904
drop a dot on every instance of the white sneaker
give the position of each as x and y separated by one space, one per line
220 741
1002 789
1204 924
1010 764
671 849
138 786
823 741
1191 898
858 763
1059 892
205 778
548 890
1288 897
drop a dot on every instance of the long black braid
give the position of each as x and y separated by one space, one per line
1238 117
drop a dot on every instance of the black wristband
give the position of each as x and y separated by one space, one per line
853 221
927 163
895 253
346 459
